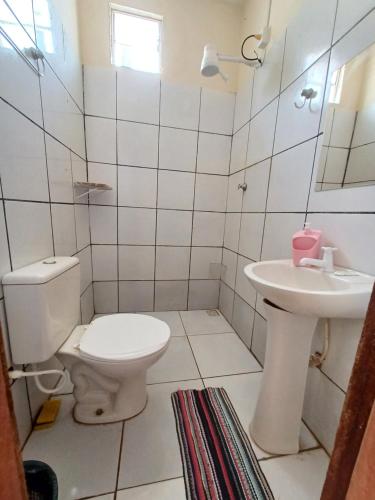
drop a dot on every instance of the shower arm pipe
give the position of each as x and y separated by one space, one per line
235 59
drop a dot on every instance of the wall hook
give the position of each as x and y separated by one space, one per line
308 95
242 186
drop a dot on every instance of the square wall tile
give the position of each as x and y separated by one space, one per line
64 229
82 226
251 235
262 133
205 263
226 299
136 296
137 144
278 232
243 319
235 194
243 286
103 224
59 171
136 226
171 295
101 139
176 190
217 110
348 14
211 193
4 251
85 266
232 231
290 179
138 96
213 153
79 174
177 149
22 156
30 232
21 409
107 174
259 340
136 263
104 262
87 305
5 335
208 229
239 149
204 294
256 179
303 47
174 227
179 106
296 125
243 99
137 187
172 263
106 297
267 79
100 91
322 407
229 267
346 232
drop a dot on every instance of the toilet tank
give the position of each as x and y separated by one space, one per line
42 304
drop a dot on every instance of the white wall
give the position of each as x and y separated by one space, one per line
275 150
42 151
187 27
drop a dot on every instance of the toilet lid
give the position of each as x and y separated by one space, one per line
123 337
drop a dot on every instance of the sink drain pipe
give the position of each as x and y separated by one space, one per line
316 359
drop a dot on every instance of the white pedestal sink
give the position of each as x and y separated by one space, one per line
295 298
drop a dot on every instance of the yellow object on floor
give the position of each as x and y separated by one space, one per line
48 414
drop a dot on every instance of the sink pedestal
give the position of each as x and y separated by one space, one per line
277 420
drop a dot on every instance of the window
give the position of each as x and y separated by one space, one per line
136 39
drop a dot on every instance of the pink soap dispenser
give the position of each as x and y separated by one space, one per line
306 243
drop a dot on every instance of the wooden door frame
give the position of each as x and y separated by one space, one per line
12 479
355 415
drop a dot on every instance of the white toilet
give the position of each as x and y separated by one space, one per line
107 360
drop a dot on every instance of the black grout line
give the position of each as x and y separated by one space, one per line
119 458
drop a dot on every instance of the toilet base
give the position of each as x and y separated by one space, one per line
99 406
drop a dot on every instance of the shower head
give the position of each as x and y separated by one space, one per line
211 57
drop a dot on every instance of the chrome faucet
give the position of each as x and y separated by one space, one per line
326 263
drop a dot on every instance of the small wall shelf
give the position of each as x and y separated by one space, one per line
91 187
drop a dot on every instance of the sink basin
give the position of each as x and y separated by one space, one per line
295 299
312 292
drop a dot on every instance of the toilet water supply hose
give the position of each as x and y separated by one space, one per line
15 374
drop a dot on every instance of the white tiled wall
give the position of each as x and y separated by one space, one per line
39 160
276 153
165 151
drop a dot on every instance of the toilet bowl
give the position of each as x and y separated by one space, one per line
108 362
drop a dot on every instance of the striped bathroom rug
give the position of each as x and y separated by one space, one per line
218 460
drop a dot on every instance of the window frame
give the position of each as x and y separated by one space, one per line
150 16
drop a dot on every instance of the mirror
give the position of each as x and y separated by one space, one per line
347 157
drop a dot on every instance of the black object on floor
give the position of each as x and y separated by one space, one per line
41 481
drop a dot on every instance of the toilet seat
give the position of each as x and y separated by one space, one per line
121 337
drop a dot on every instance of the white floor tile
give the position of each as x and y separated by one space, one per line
177 363
173 320
204 322
222 354
150 449
296 477
84 457
173 489
243 393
